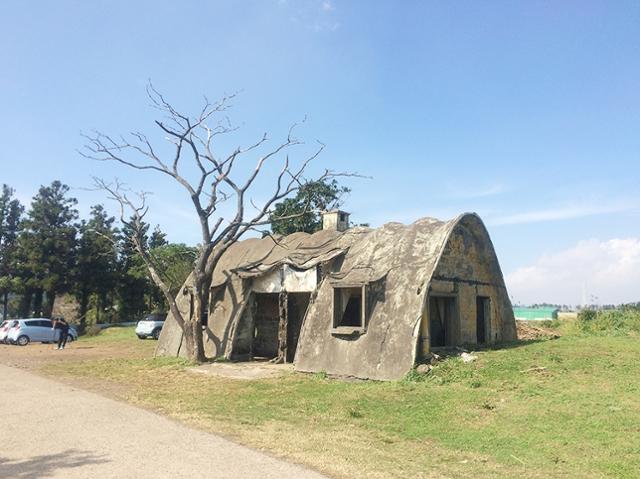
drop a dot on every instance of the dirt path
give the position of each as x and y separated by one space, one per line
52 430
36 354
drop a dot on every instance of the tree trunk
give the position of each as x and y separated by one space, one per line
5 305
199 299
48 304
25 303
193 336
37 303
283 311
97 308
84 307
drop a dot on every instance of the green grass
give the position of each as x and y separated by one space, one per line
554 408
113 334
609 322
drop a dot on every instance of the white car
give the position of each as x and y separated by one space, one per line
150 326
24 331
4 330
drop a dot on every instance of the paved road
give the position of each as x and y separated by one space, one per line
51 430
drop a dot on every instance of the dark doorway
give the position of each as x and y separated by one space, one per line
266 320
297 304
483 319
442 321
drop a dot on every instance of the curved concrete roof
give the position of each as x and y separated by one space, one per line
372 252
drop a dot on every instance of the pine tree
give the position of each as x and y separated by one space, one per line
158 238
47 246
97 262
10 213
157 244
133 287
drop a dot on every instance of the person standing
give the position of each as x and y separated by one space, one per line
60 324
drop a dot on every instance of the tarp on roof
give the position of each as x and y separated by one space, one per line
257 256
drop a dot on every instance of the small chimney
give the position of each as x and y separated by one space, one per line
335 220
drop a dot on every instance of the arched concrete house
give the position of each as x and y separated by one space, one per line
367 303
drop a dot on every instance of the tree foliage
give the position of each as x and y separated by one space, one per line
49 252
47 245
302 212
174 261
133 290
97 262
10 213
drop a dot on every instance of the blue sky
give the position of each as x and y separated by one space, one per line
525 112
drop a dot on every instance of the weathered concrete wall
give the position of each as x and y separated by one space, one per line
384 351
286 278
170 341
226 306
395 262
299 254
225 311
242 347
335 220
469 268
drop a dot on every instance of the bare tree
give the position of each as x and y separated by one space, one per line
214 183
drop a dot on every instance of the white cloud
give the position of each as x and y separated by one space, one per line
563 213
327 6
468 192
318 16
608 270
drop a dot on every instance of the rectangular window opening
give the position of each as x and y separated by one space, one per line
349 312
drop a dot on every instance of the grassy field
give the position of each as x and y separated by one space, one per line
114 334
568 407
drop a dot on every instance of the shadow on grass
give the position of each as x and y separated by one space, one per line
46 465
518 343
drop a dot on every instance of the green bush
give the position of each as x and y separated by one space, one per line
92 330
587 315
550 323
623 320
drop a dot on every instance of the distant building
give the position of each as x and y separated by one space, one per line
535 314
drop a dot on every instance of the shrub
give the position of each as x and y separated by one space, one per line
320 376
550 323
587 315
414 376
92 330
613 321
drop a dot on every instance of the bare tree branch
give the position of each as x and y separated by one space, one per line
210 179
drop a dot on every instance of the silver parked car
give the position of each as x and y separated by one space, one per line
39 330
150 326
